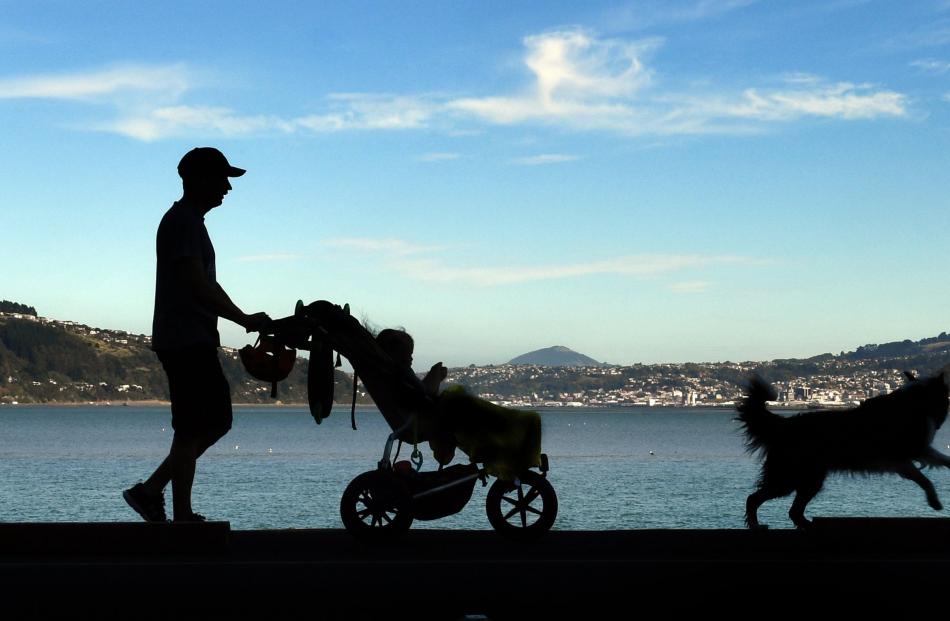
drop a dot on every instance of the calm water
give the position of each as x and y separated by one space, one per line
277 469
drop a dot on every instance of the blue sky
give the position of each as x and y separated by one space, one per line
640 181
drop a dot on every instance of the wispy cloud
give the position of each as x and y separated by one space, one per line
361 113
578 81
692 286
262 258
934 34
20 37
658 12
171 80
439 157
183 120
930 65
544 158
403 258
365 111
842 100
390 246
634 266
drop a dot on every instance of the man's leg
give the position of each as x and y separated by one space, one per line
179 470
201 415
164 474
183 457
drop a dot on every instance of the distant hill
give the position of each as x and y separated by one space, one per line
44 360
557 356
897 349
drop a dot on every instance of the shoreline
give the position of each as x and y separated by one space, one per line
574 408
143 403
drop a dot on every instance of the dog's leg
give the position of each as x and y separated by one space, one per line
933 457
909 472
804 495
755 500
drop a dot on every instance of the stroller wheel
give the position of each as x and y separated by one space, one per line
525 511
376 506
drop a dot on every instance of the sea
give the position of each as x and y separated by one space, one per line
612 469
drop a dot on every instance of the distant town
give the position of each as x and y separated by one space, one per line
671 385
823 381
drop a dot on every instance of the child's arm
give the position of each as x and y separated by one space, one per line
433 378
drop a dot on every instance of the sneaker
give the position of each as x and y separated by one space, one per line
194 517
150 506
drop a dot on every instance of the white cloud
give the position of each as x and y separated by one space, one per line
583 83
545 158
576 78
573 65
170 80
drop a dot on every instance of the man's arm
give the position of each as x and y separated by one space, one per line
213 297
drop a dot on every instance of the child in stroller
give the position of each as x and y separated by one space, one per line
399 346
499 442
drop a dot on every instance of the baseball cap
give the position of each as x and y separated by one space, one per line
206 161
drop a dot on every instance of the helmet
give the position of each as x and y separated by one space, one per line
268 360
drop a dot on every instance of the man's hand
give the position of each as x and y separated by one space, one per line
255 322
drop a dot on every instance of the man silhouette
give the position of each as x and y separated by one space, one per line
188 302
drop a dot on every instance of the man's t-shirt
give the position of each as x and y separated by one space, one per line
179 320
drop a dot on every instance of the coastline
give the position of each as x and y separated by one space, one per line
143 403
280 404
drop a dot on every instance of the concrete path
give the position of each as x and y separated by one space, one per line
848 565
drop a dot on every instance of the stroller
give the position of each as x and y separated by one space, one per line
382 503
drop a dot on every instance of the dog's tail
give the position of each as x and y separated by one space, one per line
758 423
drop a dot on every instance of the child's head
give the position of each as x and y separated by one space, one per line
397 344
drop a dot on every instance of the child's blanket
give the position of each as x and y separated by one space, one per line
506 440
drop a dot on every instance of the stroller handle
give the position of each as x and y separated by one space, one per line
265 328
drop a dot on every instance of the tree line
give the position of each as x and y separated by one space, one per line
6 306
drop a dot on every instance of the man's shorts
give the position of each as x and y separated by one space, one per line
200 394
